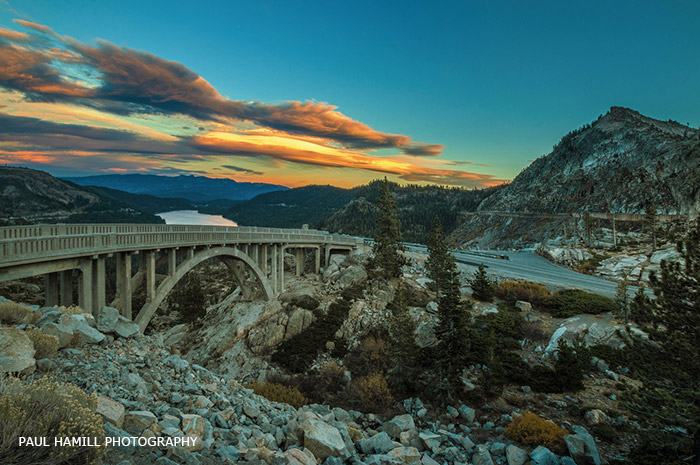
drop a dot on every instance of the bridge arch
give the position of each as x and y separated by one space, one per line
149 309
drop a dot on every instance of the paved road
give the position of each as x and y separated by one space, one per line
532 267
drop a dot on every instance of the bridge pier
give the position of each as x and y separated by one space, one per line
273 263
85 286
66 287
98 282
52 281
148 261
123 296
301 257
172 261
280 278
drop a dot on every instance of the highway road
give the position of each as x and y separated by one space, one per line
532 267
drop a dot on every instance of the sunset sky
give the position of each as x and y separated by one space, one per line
463 93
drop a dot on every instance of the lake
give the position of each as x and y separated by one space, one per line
194 217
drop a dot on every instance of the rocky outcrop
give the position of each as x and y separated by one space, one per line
566 256
616 164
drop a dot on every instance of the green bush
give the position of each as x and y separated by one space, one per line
504 324
570 302
44 408
654 447
298 352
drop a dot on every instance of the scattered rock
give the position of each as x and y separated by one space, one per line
16 351
322 439
111 410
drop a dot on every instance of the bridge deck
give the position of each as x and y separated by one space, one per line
36 243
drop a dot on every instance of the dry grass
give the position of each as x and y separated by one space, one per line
279 393
12 313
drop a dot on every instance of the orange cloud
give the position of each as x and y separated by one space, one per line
34 26
13 35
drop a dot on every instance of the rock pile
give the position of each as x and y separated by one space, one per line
145 391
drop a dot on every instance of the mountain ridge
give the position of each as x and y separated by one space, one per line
191 187
31 196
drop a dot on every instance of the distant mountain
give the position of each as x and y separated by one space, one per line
29 196
193 188
353 211
618 164
144 202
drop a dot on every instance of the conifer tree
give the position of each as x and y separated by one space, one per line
437 255
482 287
671 393
387 241
641 306
404 351
453 331
188 298
622 299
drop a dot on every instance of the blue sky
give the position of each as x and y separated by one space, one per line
496 83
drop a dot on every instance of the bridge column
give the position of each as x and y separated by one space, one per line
172 261
280 280
85 286
263 259
318 260
98 281
149 262
51 289
190 252
66 285
124 283
273 271
300 261
254 252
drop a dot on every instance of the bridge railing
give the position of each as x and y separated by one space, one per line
30 243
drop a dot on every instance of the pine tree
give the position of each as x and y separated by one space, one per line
482 287
453 331
671 393
622 299
437 255
641 306
404 351
387 241
188 298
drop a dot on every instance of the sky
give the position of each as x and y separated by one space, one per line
460 93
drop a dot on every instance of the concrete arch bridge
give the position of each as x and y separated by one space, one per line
157 257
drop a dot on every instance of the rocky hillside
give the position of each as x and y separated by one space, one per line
186 384
353 211
31 196
620 163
